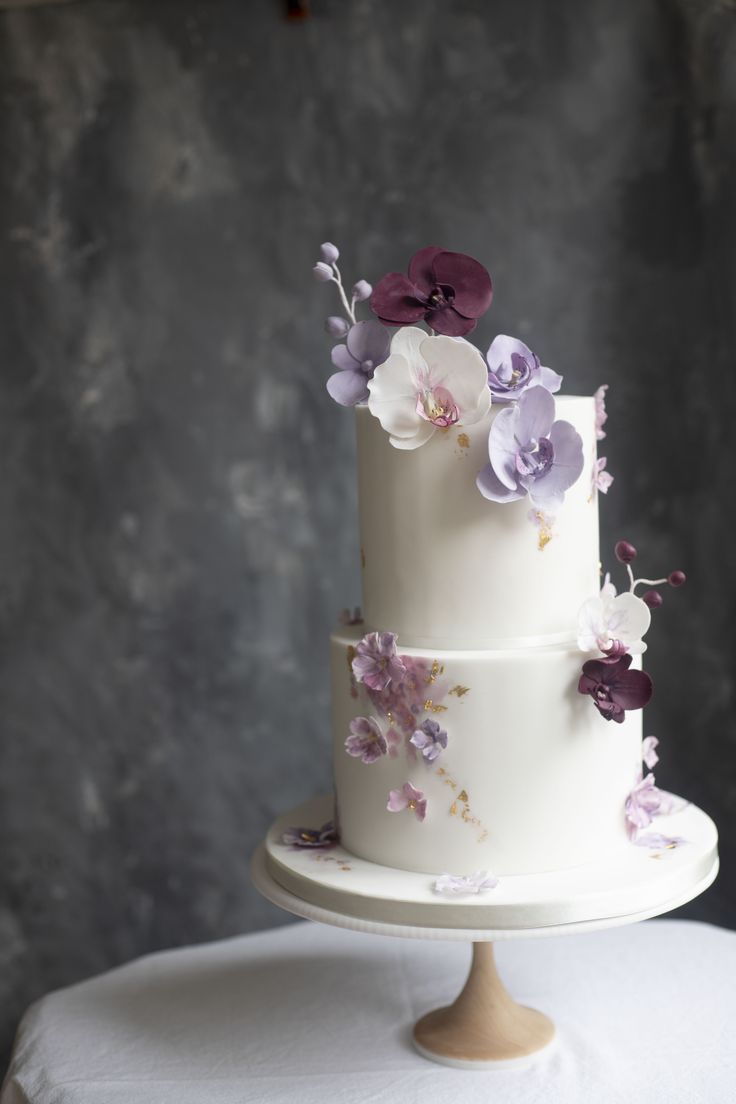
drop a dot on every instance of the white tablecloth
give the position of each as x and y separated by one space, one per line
308 1014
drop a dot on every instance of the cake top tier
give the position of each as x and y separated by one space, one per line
443 565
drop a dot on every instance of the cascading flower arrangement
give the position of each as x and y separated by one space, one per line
421 381
614 625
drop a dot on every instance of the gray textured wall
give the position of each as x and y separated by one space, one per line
177 503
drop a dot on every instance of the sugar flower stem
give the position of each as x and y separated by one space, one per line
642 582
349 310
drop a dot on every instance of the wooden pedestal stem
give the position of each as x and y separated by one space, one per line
484 1024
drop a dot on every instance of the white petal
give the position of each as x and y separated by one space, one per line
629 619
424 431
459 367
393 397
407 342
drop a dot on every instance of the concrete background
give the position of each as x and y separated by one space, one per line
177 493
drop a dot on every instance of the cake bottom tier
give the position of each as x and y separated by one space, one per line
531 779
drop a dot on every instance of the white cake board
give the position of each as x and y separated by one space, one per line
485 1028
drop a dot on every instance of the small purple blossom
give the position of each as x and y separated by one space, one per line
642 805
366 741
367 345
376 663
658 842
448 290
463 885
602 479
613 687
513 368
601 417
430 739
531 453
648 753
408 797
311 838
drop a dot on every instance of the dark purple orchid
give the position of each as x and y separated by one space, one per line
513 368
530 453
614 688
366 346
448 290
311 838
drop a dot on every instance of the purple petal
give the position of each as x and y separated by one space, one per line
566 465
491 487
470 280
502 349
536 414
348 388
342 358
394 300
397 801
447 321
503 446
633 689
421 269
368 341
549 379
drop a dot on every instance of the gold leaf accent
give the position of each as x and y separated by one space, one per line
453 809
436 671
430 707
463 440
459 691
463 796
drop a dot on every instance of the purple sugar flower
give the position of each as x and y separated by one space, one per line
408 797
448 290
613 687
376 662
530 453
648 752
311 838
463 885
366 741
642 805
367 345
658 842
430 739
601 417
602 479
513 368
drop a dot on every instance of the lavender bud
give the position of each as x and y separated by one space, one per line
336 326
625 552
322 272
329 252
676 578
652 598
362 290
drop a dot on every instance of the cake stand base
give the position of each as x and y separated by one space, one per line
484 1028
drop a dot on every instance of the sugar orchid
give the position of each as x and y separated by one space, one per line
448 290
609 618
366 346
427 383
513 368
531 453
614 688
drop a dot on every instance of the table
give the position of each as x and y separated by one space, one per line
307 1014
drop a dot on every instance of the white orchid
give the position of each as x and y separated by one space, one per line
428 383
611 617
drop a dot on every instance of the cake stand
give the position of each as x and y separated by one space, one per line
485 1028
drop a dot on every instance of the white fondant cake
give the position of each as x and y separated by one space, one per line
487 707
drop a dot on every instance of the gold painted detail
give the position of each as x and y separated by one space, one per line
435 672
434 707
463 440
461 806
460 691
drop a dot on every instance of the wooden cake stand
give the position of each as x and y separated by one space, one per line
485 1028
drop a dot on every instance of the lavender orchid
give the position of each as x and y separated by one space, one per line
376 663
448 290
367 345
408 797
464 885
531 453
614 688
366 741
513 368
430 740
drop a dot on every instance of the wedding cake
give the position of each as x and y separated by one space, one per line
487 700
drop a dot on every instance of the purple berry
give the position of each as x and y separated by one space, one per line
676 578
625 552
652 598
362 290
329 252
